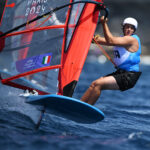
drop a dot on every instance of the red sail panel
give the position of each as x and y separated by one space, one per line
73 60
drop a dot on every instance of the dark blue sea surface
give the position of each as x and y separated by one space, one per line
126 125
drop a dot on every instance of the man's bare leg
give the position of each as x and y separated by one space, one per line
94 91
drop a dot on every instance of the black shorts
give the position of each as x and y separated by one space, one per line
125 79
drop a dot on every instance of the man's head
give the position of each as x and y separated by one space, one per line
129 26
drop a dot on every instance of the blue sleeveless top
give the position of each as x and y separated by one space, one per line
126 60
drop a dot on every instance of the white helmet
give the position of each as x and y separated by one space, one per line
131 21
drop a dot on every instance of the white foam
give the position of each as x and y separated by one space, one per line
133 135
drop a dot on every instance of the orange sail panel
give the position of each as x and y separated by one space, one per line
73 60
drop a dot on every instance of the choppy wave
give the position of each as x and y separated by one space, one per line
126 123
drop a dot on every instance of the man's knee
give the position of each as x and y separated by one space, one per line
97 84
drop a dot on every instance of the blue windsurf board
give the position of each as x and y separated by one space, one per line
68 107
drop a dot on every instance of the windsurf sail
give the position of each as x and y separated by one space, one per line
45 43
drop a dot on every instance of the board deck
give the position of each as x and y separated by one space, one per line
68 107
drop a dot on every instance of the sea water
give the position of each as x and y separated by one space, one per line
126 125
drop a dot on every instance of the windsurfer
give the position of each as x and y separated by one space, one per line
127 52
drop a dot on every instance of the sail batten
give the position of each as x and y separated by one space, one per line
29 73
38 29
